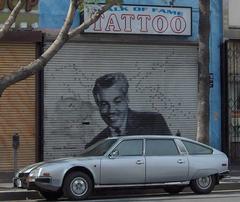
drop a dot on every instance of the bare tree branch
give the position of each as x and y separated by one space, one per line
24 72
11 18
91 20
63 36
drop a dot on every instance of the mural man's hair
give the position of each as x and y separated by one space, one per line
108 80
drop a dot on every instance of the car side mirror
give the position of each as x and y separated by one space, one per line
114 154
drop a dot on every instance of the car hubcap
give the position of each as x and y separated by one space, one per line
204 182
79 186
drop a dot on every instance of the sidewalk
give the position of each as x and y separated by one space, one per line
234 170
7 192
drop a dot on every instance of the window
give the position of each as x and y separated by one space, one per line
196 149
130 148
161 147
100 148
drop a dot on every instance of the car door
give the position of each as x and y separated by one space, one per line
125 164
201 160
164 163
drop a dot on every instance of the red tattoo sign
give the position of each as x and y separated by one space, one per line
142 20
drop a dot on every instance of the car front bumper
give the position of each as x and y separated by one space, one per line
20 181
23 182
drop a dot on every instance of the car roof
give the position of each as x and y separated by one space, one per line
157 137
145 136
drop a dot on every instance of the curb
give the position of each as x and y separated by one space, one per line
232 179
15 194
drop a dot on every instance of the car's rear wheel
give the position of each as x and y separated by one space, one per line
77 186
203 185
173 189
50 195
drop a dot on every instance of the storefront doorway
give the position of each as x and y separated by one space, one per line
233 99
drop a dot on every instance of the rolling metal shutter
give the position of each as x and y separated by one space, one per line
162 78
17 107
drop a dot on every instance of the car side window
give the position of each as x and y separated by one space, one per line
196 149
161 147
130 148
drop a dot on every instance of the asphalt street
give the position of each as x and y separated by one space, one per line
215 196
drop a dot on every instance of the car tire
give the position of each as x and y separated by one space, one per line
77 186
203 185
51 195
173 189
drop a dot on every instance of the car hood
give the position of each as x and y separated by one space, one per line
29 168
71 159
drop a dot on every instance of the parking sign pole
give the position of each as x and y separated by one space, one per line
15 144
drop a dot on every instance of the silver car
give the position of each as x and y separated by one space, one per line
170 161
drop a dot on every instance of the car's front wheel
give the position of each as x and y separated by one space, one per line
203 185
77 186
50 195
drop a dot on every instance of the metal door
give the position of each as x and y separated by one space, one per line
17 106
233 98
162 79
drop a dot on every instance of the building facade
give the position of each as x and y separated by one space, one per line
230 75
153 43
159 58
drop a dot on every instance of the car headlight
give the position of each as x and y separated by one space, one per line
35 173
17 174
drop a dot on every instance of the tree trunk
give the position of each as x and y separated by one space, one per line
203 65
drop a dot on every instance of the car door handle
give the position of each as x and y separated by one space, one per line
180 161
139 162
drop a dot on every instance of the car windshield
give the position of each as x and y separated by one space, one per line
100 148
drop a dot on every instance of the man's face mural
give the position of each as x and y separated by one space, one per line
113 105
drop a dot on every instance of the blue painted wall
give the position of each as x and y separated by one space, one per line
52 14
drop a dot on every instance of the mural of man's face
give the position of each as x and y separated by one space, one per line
113 105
